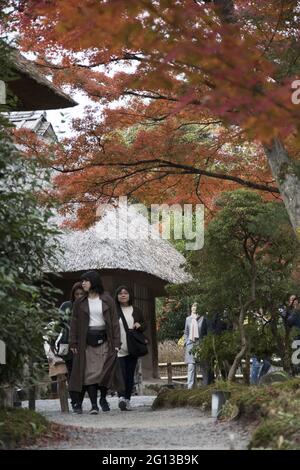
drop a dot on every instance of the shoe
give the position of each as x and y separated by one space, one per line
104 404
77 409
122 404
128 405
94 410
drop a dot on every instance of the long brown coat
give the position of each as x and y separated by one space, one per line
111 376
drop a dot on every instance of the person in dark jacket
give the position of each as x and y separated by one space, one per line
66 307
94 341
220 322
292 316
56 346
135 320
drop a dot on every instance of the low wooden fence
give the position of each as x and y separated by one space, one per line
173 371
11 399
177 371
10 395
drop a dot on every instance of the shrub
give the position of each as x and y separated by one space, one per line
20 426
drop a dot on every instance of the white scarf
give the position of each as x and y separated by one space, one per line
194 331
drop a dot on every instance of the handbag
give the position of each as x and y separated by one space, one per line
95 337
57 368
136 341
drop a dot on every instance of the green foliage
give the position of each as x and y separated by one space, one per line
261 340
219 349
248 231
172 326
279 428
171 315
26 242
6 74
277 433
18 426
248 237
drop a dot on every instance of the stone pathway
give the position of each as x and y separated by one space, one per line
142 428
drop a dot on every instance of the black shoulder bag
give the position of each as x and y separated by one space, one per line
136 341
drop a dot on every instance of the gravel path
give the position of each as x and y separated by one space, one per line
142 428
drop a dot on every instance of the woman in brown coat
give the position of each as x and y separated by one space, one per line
94 341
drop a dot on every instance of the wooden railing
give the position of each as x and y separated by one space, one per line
173 371
178 371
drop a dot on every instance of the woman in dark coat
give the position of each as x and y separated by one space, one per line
94 341
56 344
135 320
66 307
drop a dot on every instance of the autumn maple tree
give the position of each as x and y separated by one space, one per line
196 96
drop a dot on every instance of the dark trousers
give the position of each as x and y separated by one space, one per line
92 393
128 365
77 397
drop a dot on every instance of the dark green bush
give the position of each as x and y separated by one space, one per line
20 426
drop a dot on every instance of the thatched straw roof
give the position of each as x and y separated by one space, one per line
33 89
99 248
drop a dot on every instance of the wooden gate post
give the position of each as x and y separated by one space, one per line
8 393
63 393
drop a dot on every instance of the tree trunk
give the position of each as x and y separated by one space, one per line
246 371
7 397
243 311
288 179
63 393
241 353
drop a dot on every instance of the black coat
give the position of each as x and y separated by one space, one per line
293 318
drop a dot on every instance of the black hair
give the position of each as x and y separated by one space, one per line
118 290
95 280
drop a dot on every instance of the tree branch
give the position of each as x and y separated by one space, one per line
155 164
